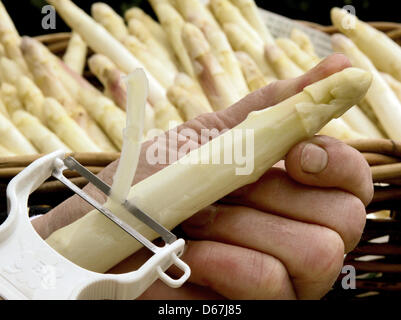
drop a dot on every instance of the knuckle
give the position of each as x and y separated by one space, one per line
268 276
325 256
355 222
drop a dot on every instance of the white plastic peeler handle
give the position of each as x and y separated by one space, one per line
31 269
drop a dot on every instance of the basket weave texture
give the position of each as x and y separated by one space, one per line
378 265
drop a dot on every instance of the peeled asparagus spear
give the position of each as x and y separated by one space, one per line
185 187
296 54
58 120
253 75
75 55
13 140
196 13
211 76
358 121
380 96
382 50
42 138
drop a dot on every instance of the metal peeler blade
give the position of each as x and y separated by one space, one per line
74 165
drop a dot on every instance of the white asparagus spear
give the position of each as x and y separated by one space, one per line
381 49
5 18
304 42
241 42
10 71
138 29
75 55
339 129
13 140
196 13
154 27
226 12
380 96
3 108
113 81
41 66
358 121
250 12
190 106
111 21
10 97
155 66
296 54
173 24
185 187
42 138
253 75
394 84
11 43
66 128
4 152
211 76
31 97
103 42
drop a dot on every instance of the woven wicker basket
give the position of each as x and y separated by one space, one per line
380 276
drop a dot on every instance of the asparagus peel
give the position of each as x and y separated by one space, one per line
186 186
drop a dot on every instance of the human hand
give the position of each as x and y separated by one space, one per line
282 237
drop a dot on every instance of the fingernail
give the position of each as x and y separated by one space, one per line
314 159
202 218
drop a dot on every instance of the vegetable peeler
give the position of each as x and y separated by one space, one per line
31 269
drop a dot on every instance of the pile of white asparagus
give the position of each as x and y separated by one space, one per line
198 58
